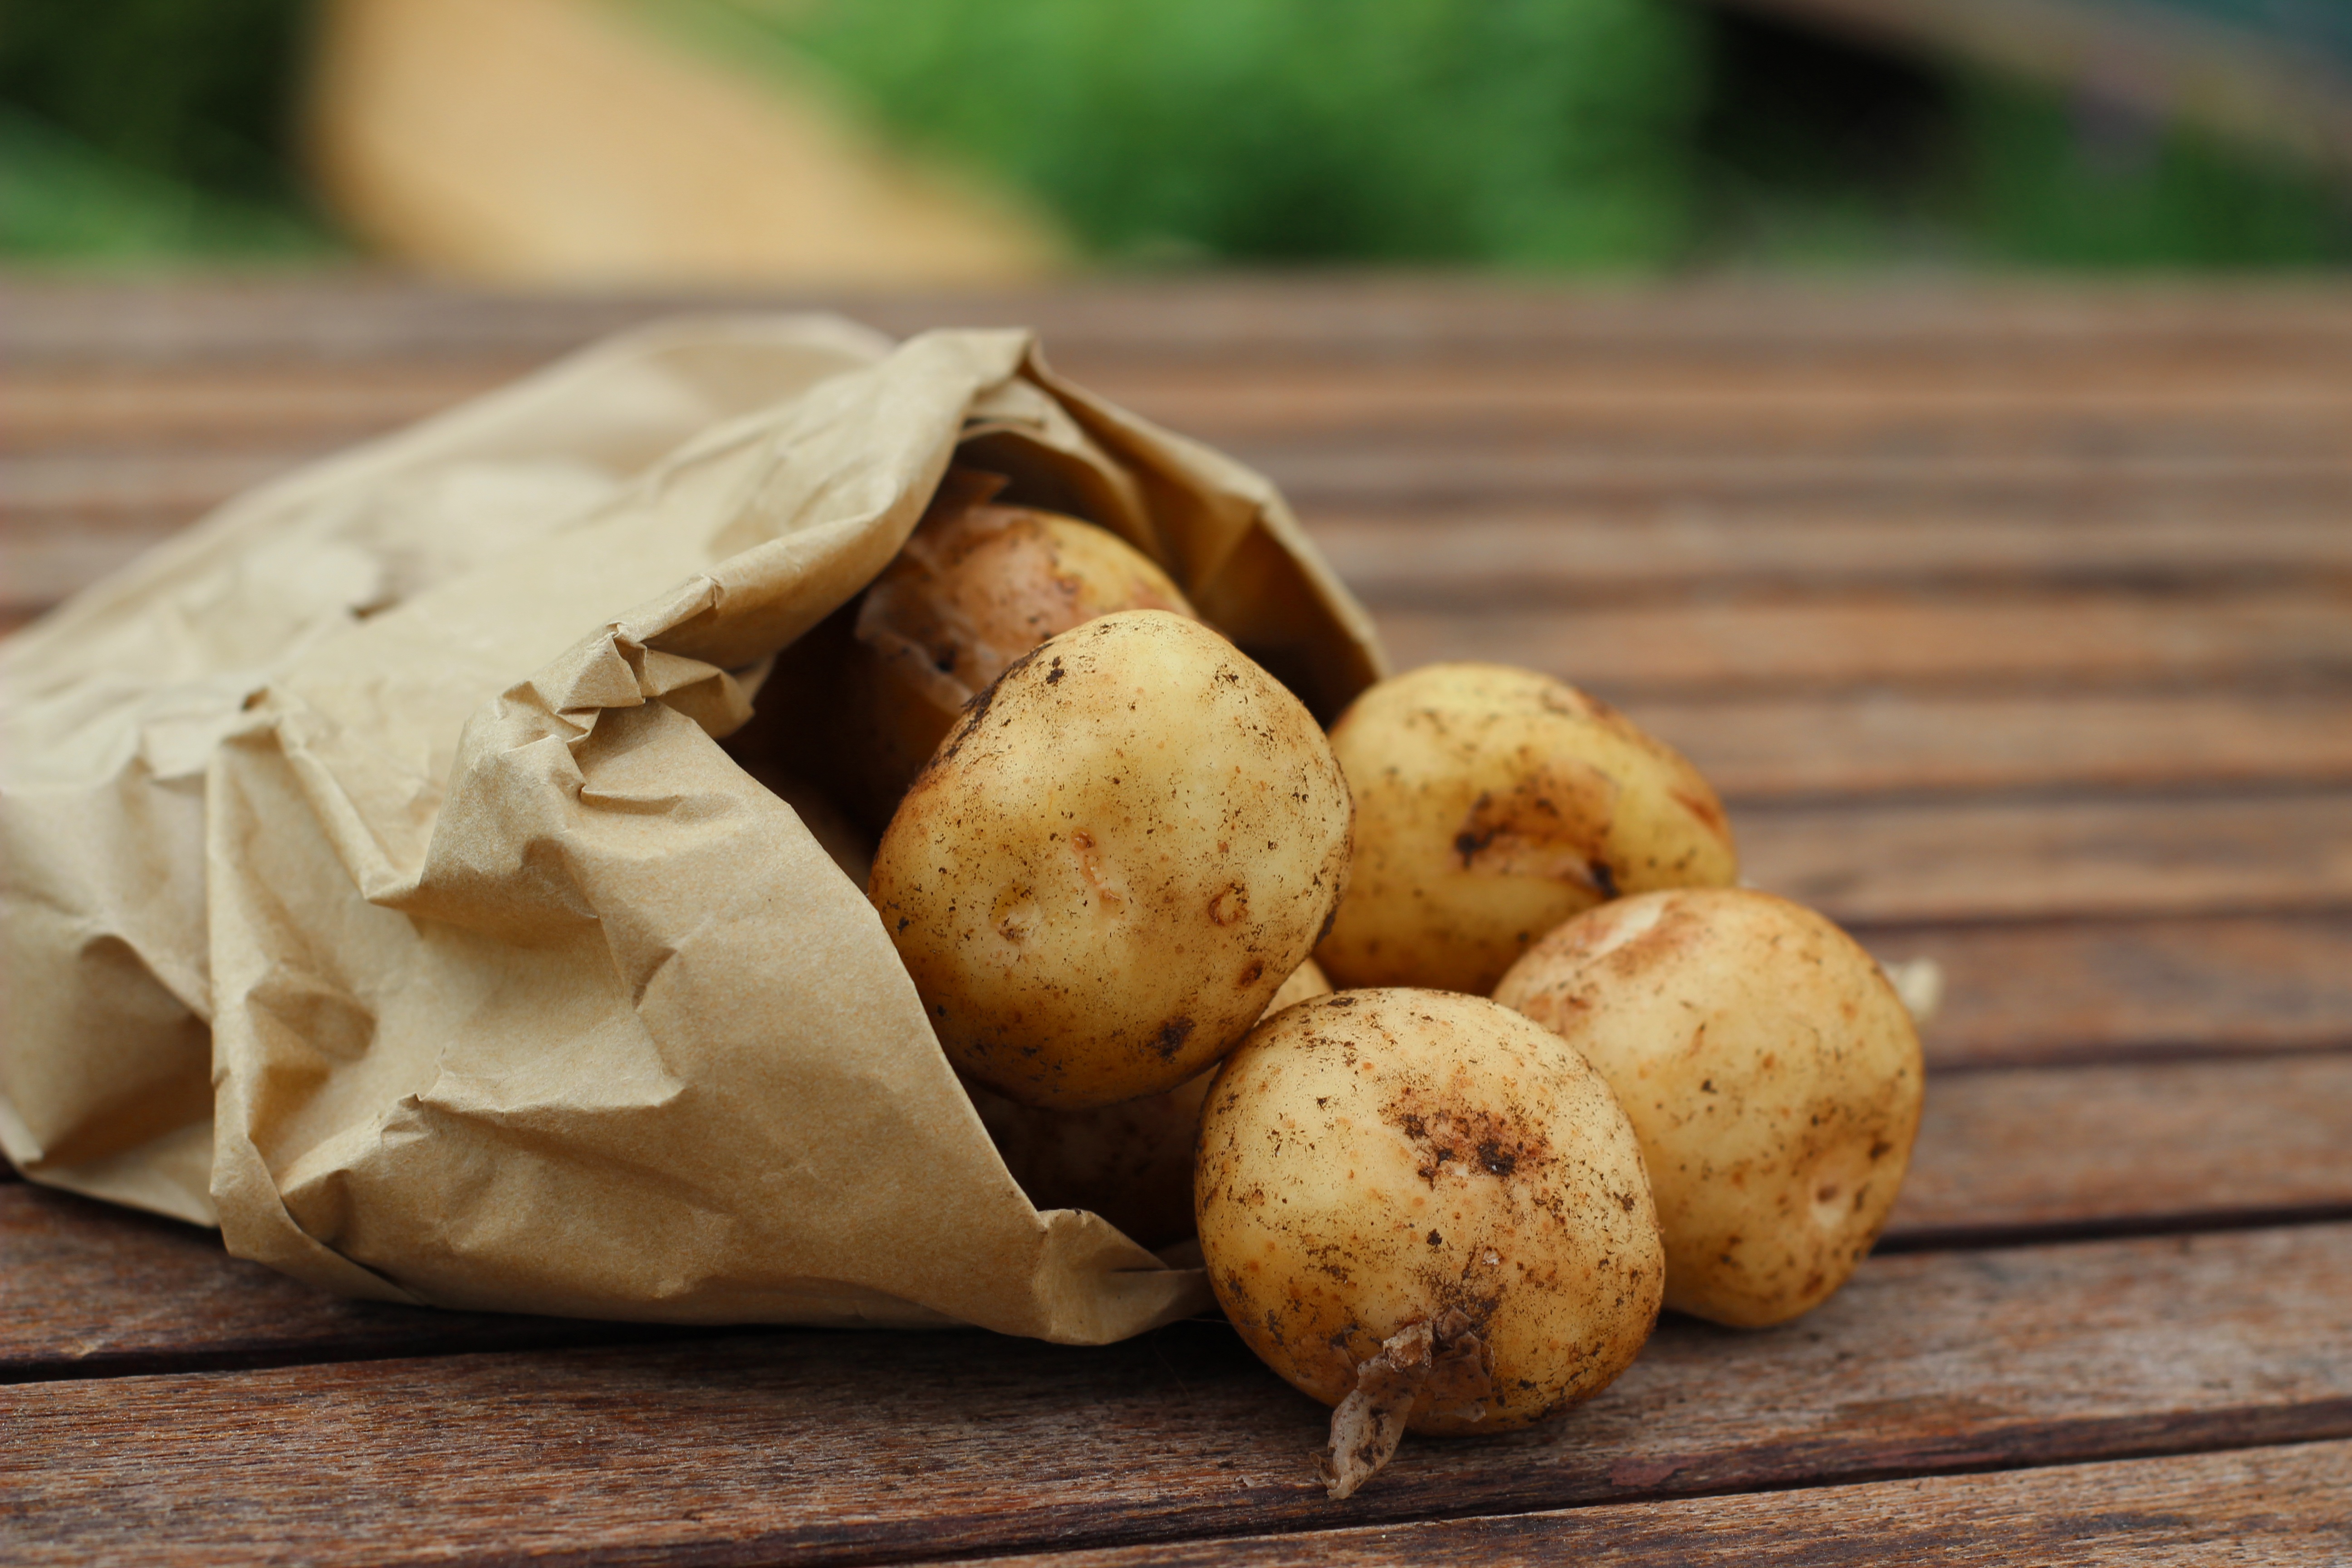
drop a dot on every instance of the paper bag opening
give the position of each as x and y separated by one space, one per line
401 783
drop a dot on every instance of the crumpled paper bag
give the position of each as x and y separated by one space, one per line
377 886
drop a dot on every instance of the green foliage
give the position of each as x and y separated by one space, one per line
61 199
151 128
1518 131
1568 134
2050 185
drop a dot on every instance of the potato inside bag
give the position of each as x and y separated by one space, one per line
377 885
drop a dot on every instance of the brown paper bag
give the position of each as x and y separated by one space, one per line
376 885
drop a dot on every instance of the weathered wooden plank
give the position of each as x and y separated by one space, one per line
152 488
1395 476
2102 1147
1450 559
87 1290
144 491
63 539
2091 408
330 315
2088 406
1766 748
2280 1506
1943 860
2048 641
829 1447
1438 561
2003 1155
2046 992
100 409
2110 637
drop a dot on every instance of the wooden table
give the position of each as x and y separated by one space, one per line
2016 628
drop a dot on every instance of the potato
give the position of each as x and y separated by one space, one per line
1376 1165
1491 805
976 586
1122 849
1129 1162
1772 1072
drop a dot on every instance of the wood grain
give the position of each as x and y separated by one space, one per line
811 1447
2082 990
2095 406
2280 1506
1583 558
87 1290
270 407
2100 1148
161 486
2041 642
2015 624
1395 476
1898 860
2079 640
2003 1155
1768 748
1239 318
1597 555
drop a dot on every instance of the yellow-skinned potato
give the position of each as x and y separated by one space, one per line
1771 1071
1123 848
976 586
1491 805
1375 1163
1129 1162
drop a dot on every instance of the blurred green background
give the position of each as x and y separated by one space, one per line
1626 135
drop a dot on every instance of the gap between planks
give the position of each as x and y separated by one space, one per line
2285 642
834 1447
2042 1155
149 488
2282 1504
1351 317
1569 557
2091 407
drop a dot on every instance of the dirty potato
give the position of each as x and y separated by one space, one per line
976 586
1129 1162
1121 850
1771 1069
1491 805
1423 1198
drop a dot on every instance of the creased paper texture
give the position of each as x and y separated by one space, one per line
378 886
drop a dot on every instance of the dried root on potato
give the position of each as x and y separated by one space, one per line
1122 851
1491 805
1129 1162
1424 1210
1771 1071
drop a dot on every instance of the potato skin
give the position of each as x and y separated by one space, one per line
1122 851
1129 1162
1771 1071
1491 805
976 586
1371 1159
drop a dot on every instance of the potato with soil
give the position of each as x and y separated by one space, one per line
1771 1069
1129 1162
1491 805
975 586
1425 1200
1119 853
